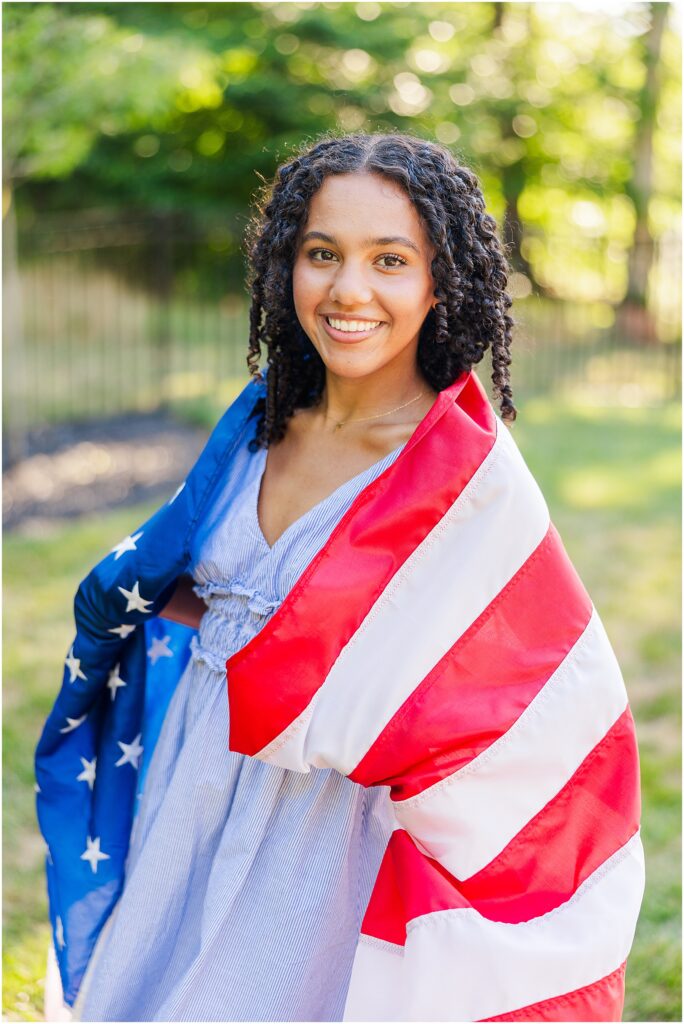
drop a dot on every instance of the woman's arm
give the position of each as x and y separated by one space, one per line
184 607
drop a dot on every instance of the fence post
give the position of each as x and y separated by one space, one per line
163 288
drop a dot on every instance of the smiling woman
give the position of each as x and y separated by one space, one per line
419 799
362 308
358 290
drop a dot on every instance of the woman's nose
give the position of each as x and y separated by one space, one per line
350 286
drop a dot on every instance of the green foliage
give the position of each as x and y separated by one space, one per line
188 105
73 78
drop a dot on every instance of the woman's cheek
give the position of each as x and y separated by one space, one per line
307 284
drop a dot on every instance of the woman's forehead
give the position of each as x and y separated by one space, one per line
364 207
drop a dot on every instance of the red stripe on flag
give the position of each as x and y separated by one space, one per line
603 1000
273 678
486 680
385 916
594 815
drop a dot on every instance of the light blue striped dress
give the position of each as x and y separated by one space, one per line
246 883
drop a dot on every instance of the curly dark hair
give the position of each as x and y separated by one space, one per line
469 269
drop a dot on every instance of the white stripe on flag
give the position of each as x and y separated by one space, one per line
459 966
466 819
375 991
489 532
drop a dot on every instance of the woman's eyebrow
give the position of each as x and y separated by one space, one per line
368 242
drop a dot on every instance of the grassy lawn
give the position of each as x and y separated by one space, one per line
611 478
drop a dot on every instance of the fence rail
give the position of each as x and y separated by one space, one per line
134 315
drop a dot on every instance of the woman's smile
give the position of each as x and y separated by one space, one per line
347 330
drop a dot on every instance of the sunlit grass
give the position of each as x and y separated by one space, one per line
611 479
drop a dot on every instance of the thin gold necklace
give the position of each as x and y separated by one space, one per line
364 419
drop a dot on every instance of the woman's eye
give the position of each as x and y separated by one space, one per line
321 255
327 256
398 261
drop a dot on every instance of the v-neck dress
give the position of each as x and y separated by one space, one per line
246 883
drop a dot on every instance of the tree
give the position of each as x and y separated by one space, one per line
540 99
634 315
67 79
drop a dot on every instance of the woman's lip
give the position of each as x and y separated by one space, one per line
348 337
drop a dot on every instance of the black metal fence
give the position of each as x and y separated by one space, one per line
133 315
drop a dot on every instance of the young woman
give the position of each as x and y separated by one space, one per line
420 800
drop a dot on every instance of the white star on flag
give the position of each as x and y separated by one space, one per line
159 649
74 666
115 681
48 855
93 853
177 493
131 752
123 631
73 723
36 788
59 933
88 773
135 601
127 544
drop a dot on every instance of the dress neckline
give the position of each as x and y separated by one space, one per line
305 515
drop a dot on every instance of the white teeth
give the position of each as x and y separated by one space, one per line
353 325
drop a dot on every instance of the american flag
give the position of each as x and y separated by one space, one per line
442 645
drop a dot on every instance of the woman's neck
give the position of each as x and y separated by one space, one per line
345 399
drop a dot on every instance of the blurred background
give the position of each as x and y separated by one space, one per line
135 136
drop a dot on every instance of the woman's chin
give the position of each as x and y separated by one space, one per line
349 362
351 369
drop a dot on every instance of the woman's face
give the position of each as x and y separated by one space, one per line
361 279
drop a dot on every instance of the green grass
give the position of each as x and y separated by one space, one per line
611 478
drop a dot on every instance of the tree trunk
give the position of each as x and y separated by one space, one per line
513 175
634 317
513 182
15 416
